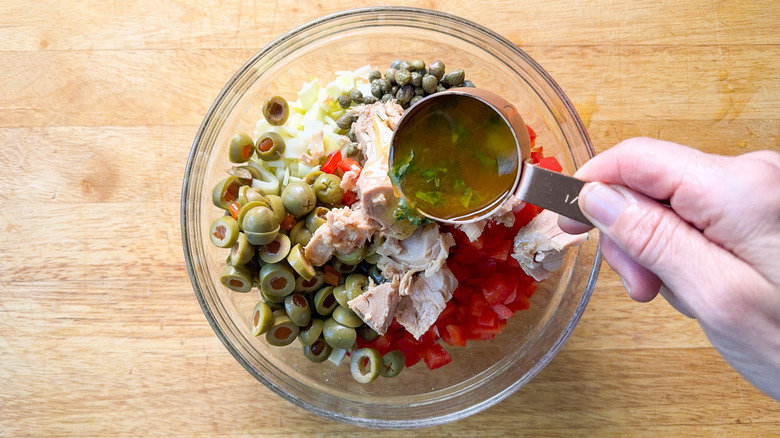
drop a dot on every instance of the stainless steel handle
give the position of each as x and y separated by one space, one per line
552 191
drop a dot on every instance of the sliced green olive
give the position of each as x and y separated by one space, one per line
237 278
225 192
393 363
298 198
224 231
276 110
311 331
312 176
265 181
241 148
259 220
345 316
276 280
248 194
376 274
273 302
300 235
340 294
353 257
338 335
270 146
328 189
316 218
277 206
298 309
262 318
242 251
283 332
259 239
242 212
364 364
367 333
341 267
298 261
324 301
276 250
318 351
371 255
308 286
355 284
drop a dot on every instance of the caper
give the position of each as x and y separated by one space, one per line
283 332
387 98
224 231
396 64
418 91
416 79
298 261
366 333
344 101
440 88
376 274
394 89
241 148
276 110
390 75
319 351
404 94
415 99
355 285
276 280
299 198
226 191
276 250
262 319
263 238
242 251
327 188
403 77
453 78
307 286
436 69
429 83
270 146
386 85
300 235
356 96
345 121
259 220
403 65
324 301
346 317
352 149
417 65
374 75
316 218
310 332
364 364
468 83
338 335
298 309
393 363
237 278
376 88
368 100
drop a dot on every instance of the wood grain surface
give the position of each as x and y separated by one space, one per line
100 334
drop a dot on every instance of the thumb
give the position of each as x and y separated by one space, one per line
656 238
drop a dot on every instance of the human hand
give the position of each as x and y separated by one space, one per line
714 255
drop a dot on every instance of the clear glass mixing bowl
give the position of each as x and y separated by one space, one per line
481 374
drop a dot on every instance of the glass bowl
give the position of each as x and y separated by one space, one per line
484 372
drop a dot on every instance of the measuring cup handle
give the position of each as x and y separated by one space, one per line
552 191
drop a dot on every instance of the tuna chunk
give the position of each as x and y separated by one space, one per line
503 215
345 230
376 306
428 295
425 250
541 246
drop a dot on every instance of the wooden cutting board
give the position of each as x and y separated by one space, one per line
100 334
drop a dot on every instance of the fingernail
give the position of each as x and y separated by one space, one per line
625 285
602 204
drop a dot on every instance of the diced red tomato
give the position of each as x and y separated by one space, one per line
520 303
331 164
550 163
477 305
497 287
454 335
436 357
234 208
349 198
487 318
410 350
501 252
347 163
502 311
531 134
288 223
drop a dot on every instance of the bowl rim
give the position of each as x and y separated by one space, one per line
372 12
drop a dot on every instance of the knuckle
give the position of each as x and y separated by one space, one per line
650 234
